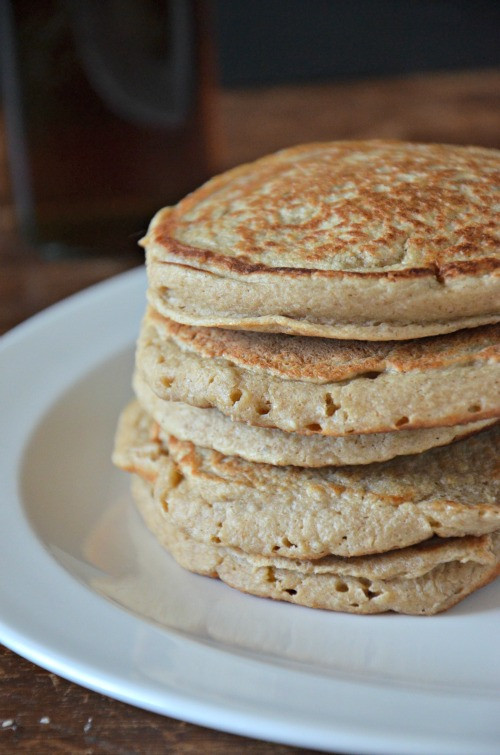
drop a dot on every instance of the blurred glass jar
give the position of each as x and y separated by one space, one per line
107 114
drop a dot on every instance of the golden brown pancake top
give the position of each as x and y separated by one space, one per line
368 207
328 359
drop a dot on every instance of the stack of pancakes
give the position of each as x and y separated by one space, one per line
317 377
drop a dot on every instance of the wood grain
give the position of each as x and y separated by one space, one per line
453 108
42 713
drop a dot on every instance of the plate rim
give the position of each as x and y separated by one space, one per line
82 308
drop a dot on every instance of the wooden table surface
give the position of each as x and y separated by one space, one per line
40 712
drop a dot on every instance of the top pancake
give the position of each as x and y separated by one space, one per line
371 240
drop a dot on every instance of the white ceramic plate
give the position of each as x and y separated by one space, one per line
86 592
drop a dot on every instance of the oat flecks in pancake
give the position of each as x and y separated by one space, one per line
346 206
209 427
328 360
424 579
282 381
301 513
352 240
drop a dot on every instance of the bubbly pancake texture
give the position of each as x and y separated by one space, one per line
372 240
209 427
308 514
423 580
324 386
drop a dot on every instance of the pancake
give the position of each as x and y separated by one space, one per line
209 427
308 514
368 240
326 386
425 579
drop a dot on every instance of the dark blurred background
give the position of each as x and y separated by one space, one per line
283 41
113 108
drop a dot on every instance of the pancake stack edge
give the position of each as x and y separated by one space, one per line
317 378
